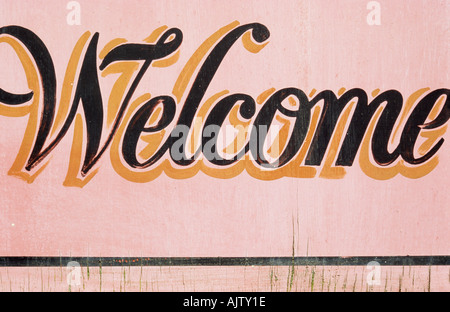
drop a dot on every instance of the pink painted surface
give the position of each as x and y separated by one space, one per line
219 279
313 44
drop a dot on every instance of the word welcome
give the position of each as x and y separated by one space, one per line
280 133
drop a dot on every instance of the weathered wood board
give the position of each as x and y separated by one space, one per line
224 145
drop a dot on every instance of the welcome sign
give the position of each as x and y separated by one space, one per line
210 136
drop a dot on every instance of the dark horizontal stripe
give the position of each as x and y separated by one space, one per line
222 261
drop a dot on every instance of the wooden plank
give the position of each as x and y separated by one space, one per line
351 180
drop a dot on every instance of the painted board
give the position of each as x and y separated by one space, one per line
238 145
